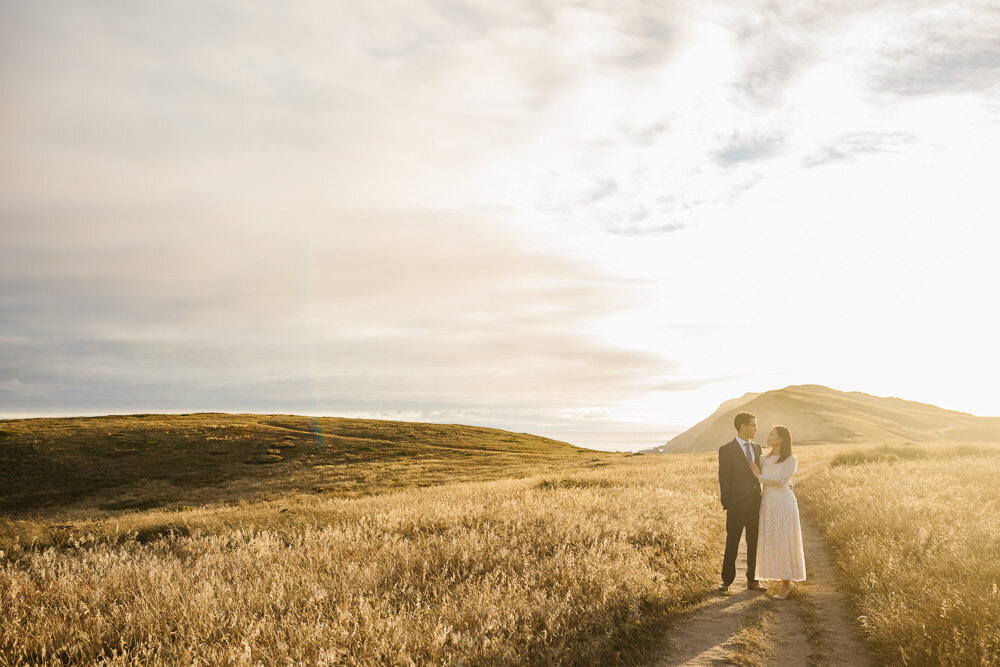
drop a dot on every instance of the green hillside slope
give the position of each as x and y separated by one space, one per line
142 461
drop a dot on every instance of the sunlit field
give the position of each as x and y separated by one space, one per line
162 541
916 532
578 569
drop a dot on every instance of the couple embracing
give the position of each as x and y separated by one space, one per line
769 515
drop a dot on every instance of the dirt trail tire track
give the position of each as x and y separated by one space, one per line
841 633
705 637
791 647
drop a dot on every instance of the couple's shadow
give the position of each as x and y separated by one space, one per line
712 624
725 600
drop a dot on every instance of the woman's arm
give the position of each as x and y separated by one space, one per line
779 475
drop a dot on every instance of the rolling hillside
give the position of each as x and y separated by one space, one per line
820 415
130 462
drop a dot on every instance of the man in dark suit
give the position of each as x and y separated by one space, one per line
740 498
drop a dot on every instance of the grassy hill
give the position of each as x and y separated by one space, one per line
542 553
273 539
819 415
144 461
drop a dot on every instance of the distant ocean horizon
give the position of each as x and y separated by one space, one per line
624 440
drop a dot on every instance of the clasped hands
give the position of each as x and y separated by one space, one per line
755 469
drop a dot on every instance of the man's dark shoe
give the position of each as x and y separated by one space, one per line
722 588
756 586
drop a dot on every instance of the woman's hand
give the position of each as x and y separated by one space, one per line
755 469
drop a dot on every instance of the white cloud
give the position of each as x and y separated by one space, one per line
542 215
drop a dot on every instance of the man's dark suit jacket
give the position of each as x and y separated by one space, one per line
737 483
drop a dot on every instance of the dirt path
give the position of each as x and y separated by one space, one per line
817 629
946 428
840 636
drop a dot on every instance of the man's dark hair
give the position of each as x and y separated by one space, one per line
743 418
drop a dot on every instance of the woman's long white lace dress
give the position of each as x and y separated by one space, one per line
779 543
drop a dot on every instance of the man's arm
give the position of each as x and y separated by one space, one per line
725 470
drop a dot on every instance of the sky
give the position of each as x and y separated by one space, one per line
593 221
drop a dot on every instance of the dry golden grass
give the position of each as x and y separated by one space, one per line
579 569
356 549
916 533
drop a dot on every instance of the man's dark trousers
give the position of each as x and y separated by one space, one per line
739 518
740 494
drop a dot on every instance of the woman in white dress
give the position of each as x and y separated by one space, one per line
779 545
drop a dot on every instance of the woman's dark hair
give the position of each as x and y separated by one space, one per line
786 443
